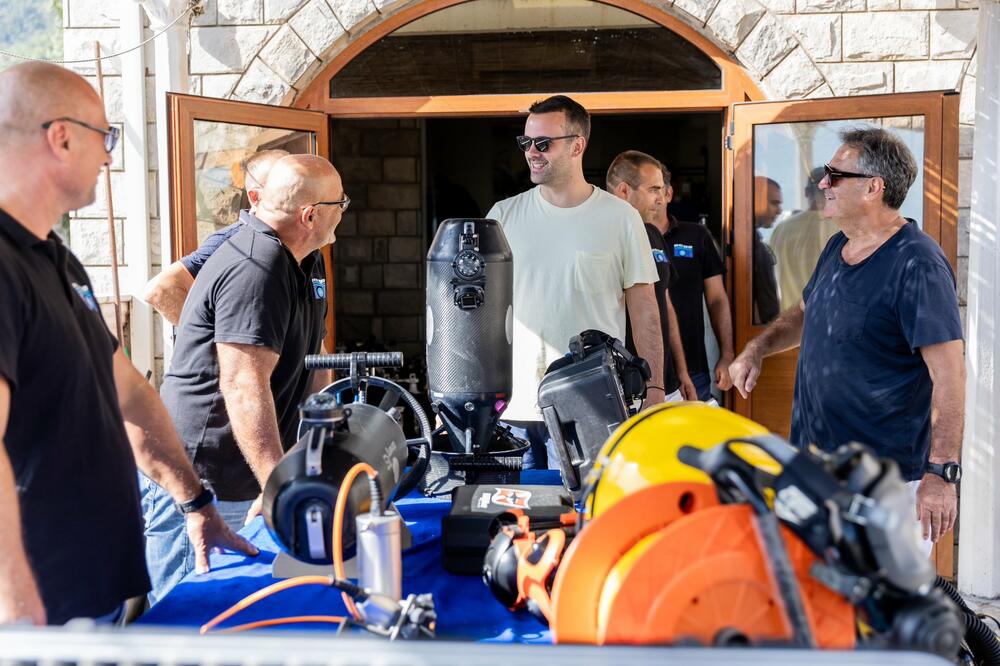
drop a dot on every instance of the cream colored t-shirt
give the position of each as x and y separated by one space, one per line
571 267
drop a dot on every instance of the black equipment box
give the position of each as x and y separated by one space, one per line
466 530
584 397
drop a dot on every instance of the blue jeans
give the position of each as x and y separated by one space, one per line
542 452
169 555
703 384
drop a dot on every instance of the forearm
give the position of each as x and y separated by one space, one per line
255 426
782 334
947 417
649 342
722 324
167 291
676 345
15 572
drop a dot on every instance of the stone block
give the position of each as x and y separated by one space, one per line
967 103
91 14
848 79
155 241
348 276
766 45
378 330
403 328
317 26
78 44
380 249
819 34
963 231
355 250
883 5
407 223
835 6
278 11
226 49
794 77
99 208
394 197
353 14
371 276
733 20
112 97
355 302
100 278
287 55
391 143
966 133
886 36
353 328
260 84
210 15
240 12
962 276
699 10
377 223
927 4
928 75
218 85
968 4
402 275
779 6
401 302
399 169
359 169
822 92
348 225
90 241
964 183
406 249
386 6
973 64
953 34
345 139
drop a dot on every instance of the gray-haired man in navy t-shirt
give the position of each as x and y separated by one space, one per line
881 353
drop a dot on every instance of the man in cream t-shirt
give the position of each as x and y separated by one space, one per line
581 256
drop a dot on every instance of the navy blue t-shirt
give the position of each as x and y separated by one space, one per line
194 261
860 375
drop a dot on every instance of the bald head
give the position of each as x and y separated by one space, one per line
34 92
299 180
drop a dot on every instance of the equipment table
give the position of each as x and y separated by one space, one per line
466 610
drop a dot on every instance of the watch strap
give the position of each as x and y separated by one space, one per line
204 498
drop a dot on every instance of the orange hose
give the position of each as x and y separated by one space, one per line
260 595
338 526
331 619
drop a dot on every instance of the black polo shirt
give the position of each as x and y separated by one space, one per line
693 254
250 291
666 276
76 477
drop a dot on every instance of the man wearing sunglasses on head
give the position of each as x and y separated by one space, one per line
581 258
76 417
878 331
237 377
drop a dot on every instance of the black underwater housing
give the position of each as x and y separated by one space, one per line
585 396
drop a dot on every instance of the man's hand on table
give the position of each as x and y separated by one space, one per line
937 506
207 531
255 509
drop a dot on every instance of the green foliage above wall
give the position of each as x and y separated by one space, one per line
31 28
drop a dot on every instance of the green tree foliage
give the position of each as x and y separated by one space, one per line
31 28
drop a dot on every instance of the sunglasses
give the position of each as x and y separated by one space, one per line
111 134
343 203
542 143
834 175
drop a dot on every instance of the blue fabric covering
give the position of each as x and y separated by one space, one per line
466 609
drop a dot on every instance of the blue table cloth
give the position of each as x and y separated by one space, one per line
465 607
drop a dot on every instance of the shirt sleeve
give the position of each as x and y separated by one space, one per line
711 262
12 325
193 262
253 305
928 304
637 258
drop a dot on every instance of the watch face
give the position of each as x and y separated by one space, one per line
469 264
952 472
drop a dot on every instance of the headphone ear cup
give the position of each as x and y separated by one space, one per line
500 567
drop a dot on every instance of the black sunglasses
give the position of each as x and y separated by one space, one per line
541 142
834 175
343 203
111 134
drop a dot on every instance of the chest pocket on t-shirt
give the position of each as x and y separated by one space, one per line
847 321
595 272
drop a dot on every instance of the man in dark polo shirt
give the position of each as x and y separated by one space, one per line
237 377
699 284
75 415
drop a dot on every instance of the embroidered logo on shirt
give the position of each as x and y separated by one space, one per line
83 291
659 256
319 288
681 250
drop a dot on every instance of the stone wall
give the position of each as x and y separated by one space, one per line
381 242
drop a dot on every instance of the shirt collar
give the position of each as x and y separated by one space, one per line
248 218
18 233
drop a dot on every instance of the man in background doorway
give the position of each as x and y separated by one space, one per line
638 179
699 267
581 258
766 209
798 241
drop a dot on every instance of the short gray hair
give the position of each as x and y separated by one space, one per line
882 153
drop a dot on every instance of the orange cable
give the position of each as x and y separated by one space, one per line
260 595
330 619
338 525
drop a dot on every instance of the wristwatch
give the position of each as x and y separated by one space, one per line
949 471
204 498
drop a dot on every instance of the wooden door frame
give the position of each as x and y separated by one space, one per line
182 112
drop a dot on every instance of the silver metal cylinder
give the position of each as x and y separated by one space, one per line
380 566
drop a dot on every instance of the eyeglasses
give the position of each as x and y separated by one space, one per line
254 178
111 134
834 175
541 142
343 203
